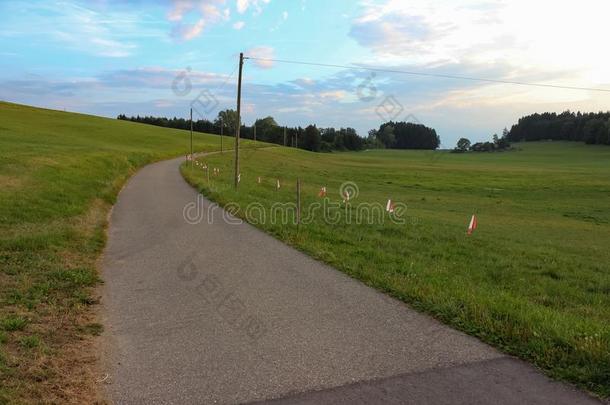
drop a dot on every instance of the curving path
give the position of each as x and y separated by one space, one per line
216 312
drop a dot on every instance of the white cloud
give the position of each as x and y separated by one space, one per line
81 28
243 5
163 103
192 31
305 82
208 11
263 52
181 7
540 41
334 94
544 35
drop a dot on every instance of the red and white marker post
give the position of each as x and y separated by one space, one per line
473 225
389 207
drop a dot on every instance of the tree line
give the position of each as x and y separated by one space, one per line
404 135
591 128
391 135
497 144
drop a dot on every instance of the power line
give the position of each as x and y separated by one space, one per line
437 75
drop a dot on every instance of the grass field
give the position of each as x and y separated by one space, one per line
59 176
533 280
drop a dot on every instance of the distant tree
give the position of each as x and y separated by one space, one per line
386 136
568 126
268 130
179 123
311 139
338 142
498 144
407 135
229 120
373 141
351 139
328 135
463 144
265 124
567 130
326 147
502 144
594 130
482 147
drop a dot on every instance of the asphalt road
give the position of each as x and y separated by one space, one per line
218 312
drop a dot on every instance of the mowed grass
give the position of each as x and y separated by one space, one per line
59 176
533 280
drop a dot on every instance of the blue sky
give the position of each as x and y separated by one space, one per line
108 57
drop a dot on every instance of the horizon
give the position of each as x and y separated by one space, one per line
111 57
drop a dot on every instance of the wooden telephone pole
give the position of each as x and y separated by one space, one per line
191 138
241 65
222 130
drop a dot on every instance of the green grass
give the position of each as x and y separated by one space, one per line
29 342
533 280
59 175
12 323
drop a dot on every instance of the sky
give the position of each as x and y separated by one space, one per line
162 57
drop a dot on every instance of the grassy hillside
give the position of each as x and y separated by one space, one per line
533 280
59 174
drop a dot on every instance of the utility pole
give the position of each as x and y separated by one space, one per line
241 65
191 138
222 130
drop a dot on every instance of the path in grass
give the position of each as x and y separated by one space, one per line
218 311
